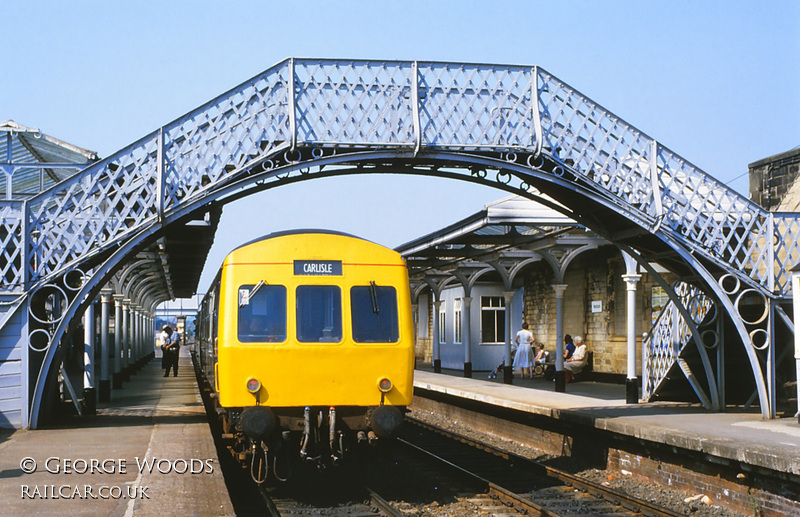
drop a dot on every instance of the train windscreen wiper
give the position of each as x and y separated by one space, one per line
253 292
373 296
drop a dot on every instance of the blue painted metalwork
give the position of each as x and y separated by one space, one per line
509 126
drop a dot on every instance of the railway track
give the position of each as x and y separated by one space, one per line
289 507
343 491
520 485
430 471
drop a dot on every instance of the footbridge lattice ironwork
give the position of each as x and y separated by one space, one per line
517 128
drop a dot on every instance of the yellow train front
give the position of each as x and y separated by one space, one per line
307 340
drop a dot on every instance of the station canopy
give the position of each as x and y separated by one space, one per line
506 232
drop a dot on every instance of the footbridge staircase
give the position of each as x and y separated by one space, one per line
515 128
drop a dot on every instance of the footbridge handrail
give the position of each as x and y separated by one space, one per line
407 106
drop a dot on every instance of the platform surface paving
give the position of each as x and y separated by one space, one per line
155 428
733 435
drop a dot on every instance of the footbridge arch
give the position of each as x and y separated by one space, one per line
517 128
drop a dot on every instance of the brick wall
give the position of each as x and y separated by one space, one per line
548 442
722 492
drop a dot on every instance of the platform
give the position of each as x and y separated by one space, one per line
733 435
154 450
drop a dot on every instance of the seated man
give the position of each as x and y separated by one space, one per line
578 360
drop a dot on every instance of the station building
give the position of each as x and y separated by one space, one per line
520 256
541 255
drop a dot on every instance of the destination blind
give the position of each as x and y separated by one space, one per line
318 268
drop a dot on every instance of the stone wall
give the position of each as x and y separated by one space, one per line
595 276
773 181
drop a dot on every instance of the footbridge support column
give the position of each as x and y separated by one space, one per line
796 314
437 358
126 339
508 369
105 382
89 393
136 341
632 383
560 379
149 336
465 335
116 377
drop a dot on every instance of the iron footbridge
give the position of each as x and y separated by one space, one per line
515 128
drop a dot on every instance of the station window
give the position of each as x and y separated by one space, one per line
493 316
262 313
319 314
373 311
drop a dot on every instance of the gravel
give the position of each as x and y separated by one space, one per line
680 501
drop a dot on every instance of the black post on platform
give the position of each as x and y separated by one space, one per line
104 391
632 391
508 374
437 366
468 370
561 381
89 401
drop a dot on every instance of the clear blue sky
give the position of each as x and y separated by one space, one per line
718 82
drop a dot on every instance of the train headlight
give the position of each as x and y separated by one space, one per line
385 385
253 385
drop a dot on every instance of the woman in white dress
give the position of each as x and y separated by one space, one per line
524 358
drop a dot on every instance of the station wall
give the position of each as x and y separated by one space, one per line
595 307
13 377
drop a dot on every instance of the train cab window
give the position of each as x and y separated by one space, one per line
262 313
374 313
319 314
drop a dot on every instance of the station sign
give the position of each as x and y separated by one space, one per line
318 268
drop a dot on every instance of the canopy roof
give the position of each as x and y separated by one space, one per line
506 232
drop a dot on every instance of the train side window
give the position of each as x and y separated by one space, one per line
262 313
373 310
319 314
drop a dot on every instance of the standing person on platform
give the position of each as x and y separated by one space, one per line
524 357
172 345
164 338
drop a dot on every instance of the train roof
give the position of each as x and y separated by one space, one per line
284 233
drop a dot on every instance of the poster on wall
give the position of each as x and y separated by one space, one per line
658 300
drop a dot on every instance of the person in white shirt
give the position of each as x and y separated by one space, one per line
170 344
577 362
524 357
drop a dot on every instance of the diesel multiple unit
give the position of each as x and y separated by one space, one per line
306 340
